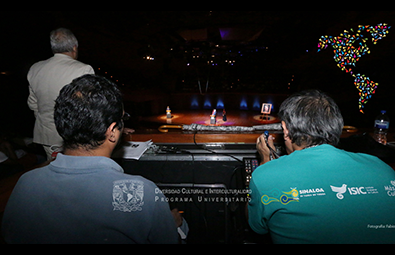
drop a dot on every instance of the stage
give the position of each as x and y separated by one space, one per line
151 125
219 162
177 164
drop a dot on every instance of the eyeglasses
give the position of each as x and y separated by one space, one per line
126 117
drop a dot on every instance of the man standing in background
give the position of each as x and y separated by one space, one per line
47 78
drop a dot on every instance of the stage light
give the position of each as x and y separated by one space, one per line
243 104
220 104
257 104
207 104
195 103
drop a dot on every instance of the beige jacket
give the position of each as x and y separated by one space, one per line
46 79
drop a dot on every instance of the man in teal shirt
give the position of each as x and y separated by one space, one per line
320 194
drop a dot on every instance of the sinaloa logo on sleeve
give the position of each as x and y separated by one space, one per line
128 196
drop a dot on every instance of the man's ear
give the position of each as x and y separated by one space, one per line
286 131
111 133
75 52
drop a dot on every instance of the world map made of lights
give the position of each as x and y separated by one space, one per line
346 55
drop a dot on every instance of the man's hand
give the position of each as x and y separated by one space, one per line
263 149
177 217
128 131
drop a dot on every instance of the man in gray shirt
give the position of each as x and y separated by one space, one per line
84 197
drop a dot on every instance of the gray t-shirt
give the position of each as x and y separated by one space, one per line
87 200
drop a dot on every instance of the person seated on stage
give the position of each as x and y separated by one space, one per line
320 194
84 196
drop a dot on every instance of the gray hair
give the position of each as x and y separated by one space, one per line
312 118
63 40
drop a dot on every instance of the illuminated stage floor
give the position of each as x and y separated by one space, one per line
177 136
235 118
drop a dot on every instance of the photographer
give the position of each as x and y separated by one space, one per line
320 194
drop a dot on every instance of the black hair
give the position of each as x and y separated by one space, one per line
312 119
85 109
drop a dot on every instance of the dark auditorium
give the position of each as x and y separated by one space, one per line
197 127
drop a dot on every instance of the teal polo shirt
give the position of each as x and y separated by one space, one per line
324 195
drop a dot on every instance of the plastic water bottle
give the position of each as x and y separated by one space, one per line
381 127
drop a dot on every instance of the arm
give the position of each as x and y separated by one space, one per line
255 211
164 226
33 102
177 217
263 149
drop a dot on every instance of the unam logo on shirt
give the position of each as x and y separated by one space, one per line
128 196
